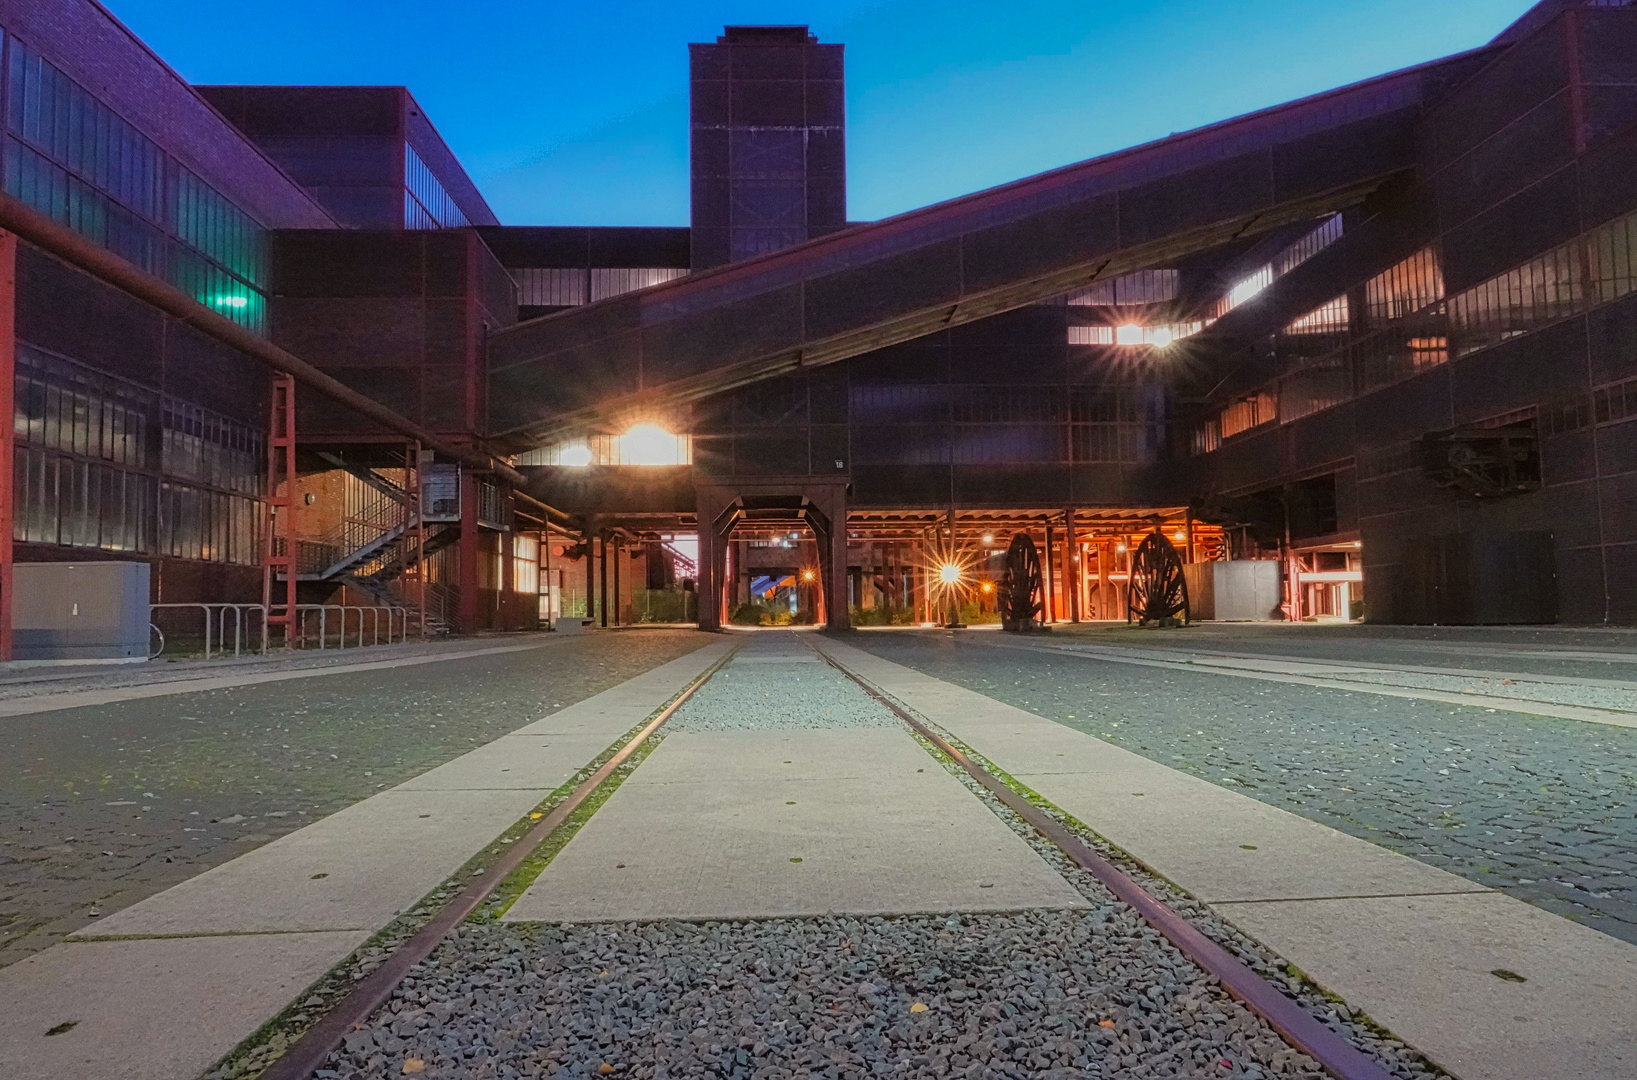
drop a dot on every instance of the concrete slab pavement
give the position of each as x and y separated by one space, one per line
159 1009
744 824
1393 936
336 882
1428 967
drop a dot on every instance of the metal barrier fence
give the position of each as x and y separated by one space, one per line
217 614
248 621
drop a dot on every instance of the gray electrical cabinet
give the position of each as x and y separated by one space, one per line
1240 590
81 611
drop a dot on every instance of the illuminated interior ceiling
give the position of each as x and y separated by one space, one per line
971 525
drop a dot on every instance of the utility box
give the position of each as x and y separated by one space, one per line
1239 590
86 612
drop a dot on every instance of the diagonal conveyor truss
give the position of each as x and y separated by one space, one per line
890 281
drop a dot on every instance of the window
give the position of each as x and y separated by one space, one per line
1592 269
572 287
1308 246
634 448
426 204
1132 334
211 526
1404 289
77 161
1252 285
1246 288
62 406
1331 317
1141 287
525 564
615 282
212 449
1247 413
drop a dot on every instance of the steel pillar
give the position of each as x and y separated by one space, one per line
466 546
282 544
8 390
1072 575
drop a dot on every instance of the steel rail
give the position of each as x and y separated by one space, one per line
68 245
1338 1057
307 1054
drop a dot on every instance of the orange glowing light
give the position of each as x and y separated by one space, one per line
808 575
988 586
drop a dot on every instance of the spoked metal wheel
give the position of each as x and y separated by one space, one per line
1157 591
1022 590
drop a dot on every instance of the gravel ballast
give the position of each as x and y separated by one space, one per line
1010 995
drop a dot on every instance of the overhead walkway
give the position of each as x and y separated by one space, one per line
969 258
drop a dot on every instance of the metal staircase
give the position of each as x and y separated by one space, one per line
381 538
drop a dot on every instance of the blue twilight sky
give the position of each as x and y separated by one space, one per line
576 113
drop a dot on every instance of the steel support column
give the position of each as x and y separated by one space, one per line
1072 576
8 389
281 548
466 547
1048 573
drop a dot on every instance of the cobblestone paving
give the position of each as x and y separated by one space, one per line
104 805
1545 809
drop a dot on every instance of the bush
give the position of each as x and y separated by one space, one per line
883 615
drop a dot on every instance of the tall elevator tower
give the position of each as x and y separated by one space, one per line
768 143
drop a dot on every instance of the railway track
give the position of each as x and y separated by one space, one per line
1289 1019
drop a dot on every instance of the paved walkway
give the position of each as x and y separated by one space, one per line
1418 949
165 987
782 789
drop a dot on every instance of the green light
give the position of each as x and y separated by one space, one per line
232 301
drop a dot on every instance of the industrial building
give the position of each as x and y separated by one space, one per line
1382 336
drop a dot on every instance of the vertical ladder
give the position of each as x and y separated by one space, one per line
280 601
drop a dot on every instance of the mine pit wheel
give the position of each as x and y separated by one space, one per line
1021 591
1157 592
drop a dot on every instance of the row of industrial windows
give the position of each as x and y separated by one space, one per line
1158 335
1408 325
86 504
1253 283
427 205
1129 290
573 287
642 445
75 160
104 464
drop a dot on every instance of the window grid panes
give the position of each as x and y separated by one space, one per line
573 287
1140 287
94 456
1252 284
1331 317
1415 328
75 160
426 204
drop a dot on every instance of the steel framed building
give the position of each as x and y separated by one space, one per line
1384 334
